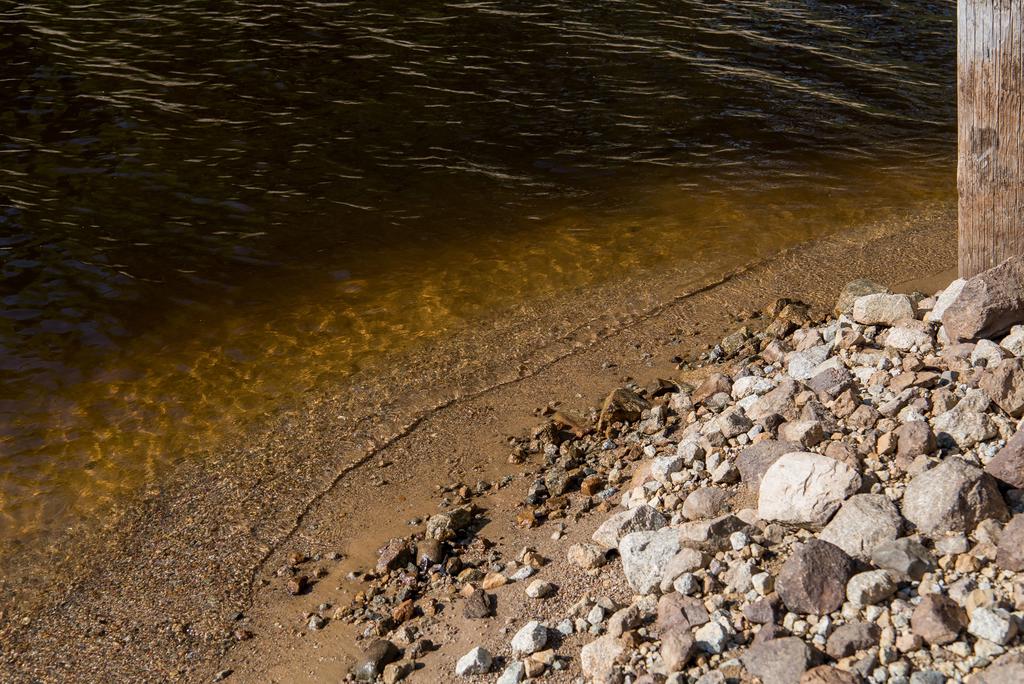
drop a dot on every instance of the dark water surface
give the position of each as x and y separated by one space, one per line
207 208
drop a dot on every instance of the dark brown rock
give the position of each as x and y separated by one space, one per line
1010 553
780 661
989 304
937 619
394 555
429 552
830 383
1004 384
1008 464
622 405
852 637
813 579
379 653
763 611
676 611
479 605
913 439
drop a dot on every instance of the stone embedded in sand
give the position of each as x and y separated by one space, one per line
855 289
378 653
804 488
587 556
640 519
954 496
479 605
513 674
937 619
1010 553
705 502
600 657
645 556
780 661
397 553
813 579
1008 464
1004 384
989 304
882 309
622 405
477 661
862 523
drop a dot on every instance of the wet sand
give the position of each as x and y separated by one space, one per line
154 595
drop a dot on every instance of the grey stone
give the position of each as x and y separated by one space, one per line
906 557
868 588
852 637
780 661
599 658
644 557
639 519
862 523
754 461
954 496
705 502
378 653
513 674
992 623
882 309
803 365
530 638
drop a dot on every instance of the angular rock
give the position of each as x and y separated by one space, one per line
954 496
868 588
587 556
676 612
1004 385
477 661
712 535
803 365
780 661
530 638
945 298
994 624
755 460
393 555
1010 552
705 502
906 557
826 674
640 519
645 556
805 488
1008 464
600 657
852 637
447 525
806 433
882 309
813 579
677 647
716 383
989 304
513 674
854 290
964 426
914 439
622 405
830 383
479 605
937 619
862 523
1000 673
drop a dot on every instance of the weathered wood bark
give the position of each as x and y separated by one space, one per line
990 167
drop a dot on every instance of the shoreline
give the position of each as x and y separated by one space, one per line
186 559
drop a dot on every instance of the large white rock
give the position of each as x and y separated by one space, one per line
530 639
641 518
645 556
882 309
599 657
806 489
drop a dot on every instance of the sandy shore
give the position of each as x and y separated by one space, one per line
157 595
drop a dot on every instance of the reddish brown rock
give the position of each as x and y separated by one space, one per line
622 405
1008 464
813 579
989 304
1010 553
1004 384
826 674
716 383
938 619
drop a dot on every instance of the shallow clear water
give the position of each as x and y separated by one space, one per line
207 209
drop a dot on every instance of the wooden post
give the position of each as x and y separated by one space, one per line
990 163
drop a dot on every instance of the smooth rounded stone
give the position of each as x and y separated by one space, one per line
852 637
1008 463
804 488
640 519
937 619
994 624
868 588
882 309
587 556
913 439
854 290
754 460
813 579
954 496
988 304
540 589
513 674
644 557
826 674
908 558
1010 552
705 502
780 661
622 405
530 638
863 522
477 661
377 654
1004 385
600 657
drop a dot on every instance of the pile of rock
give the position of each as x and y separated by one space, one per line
835 502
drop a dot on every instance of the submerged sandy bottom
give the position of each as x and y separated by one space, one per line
153 594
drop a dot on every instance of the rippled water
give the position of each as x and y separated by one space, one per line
208 208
